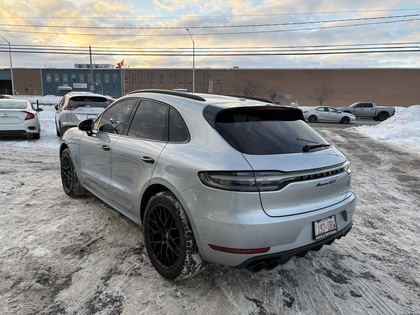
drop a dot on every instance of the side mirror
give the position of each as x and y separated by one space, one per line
87 126
56 106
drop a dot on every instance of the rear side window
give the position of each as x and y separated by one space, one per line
266 130
84 101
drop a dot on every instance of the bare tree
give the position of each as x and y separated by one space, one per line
321 94
251 88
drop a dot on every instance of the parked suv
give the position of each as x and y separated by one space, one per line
75 107
211 178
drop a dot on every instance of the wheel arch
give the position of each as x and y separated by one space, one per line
149 193
157 188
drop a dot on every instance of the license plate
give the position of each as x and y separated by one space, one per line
325 227
91 116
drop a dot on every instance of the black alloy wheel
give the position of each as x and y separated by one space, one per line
69 180
169 238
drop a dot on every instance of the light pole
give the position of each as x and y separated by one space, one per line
11 66
193 76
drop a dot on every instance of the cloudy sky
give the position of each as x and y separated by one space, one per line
226 33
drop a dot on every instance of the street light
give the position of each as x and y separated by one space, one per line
193 77
11 66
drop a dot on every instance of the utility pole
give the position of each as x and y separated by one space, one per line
92 87
193 74
11 66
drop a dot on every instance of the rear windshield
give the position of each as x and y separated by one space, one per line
88 101
266 130
13 105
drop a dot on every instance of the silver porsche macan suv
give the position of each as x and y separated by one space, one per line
211 178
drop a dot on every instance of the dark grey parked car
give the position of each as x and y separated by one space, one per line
212 178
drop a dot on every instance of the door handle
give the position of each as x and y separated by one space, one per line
148 159
105 148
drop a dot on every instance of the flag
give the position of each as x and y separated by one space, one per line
120 64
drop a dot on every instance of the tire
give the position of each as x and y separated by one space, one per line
312 119
382 116
36 136
345 120
69 180
169 238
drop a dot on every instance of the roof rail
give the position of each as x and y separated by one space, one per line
253 98
171 92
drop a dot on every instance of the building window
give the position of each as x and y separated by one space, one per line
106 78
48 77
98 78
190 78
89 77
199 77
143 77
134 77
152 78
115 78
219 79
161 78
171 78
181 77
56 77
81 77
73 77
65 77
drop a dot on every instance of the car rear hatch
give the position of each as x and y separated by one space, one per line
86 107
295 170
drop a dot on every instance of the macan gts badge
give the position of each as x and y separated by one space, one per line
212 179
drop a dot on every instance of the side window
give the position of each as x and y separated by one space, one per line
178 131
115 117
150 121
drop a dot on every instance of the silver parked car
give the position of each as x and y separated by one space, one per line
328 114
212 178
19 117
75 107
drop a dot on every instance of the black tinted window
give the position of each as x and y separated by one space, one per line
266 131
89 101
150 121
178 131
114 119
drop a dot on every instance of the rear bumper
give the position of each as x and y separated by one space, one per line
273 260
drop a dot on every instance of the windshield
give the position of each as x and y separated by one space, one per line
267 131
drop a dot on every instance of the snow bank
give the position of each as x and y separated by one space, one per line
402 129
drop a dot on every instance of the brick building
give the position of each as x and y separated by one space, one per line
335 87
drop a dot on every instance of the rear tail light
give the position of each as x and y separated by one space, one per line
245 181
29 115
70 107
264 180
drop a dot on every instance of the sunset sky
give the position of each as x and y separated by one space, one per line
226 33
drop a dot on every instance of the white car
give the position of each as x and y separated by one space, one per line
328 114
19 117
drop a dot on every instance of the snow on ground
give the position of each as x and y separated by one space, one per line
402 129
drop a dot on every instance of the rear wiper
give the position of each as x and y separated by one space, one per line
308 148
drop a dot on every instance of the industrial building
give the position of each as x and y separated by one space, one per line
333 87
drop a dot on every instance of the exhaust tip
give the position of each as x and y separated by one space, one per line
272 264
